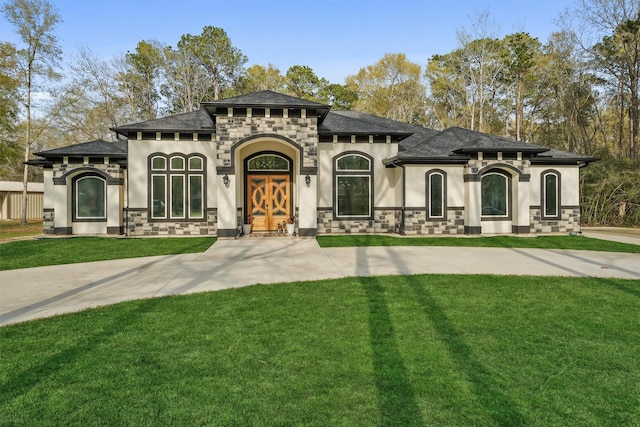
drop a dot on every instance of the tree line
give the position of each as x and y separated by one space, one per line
576 91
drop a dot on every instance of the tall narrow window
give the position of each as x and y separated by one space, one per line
436 185
353 186
90 198
550 194
176 186
495 195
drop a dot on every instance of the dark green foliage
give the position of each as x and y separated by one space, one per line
392 351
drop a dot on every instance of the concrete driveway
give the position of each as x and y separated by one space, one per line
46 291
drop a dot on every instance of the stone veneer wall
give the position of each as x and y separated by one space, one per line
230 130
384 221
138 224
48 221
474 166
416 223
569 221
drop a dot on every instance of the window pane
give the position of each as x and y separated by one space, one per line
195 196
269 162
550 195
353 195
494 195
435 195
195 163
90 198
177 163
158 163
177 196
158 196
353 163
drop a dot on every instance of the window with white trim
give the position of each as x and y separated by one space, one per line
176 186
353 186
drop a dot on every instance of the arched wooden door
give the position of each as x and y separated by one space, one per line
268 191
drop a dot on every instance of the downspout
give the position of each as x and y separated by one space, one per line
404 196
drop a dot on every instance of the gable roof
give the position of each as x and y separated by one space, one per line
99 147
194 121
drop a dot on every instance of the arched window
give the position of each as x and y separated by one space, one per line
436 194
270 162
176 186
353 189
495 194
90 198
550 193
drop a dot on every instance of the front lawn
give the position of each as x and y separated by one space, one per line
402 350
54 251
542 242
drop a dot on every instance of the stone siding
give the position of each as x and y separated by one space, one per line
384 221
48 221
139 225
569 221
416 223
229 130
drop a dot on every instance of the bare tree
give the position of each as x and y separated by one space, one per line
34 21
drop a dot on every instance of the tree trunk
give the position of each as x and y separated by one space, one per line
27 147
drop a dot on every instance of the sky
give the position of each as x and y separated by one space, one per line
334 37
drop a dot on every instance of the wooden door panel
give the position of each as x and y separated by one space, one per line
269 200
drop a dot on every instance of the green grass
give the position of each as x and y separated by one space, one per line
542 242
402 350
37 253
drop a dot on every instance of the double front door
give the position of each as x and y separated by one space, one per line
268 200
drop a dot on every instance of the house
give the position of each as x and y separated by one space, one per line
11 200
270 156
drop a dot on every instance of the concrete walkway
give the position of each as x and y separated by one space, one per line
45 291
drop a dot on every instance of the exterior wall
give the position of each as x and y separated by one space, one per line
518 220
569 220
58 209
139 152
239 137
384 221
137 218
387 190
415 216
387 181
138 224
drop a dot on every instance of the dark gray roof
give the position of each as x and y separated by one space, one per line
354 123
266 98
470 141
99 147
559 156
454 144
195 121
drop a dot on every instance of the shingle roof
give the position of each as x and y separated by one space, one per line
99 147
266 98
353 123
559 156
195 121
453 145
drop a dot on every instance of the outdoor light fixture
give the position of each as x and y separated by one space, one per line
225 180
307 179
